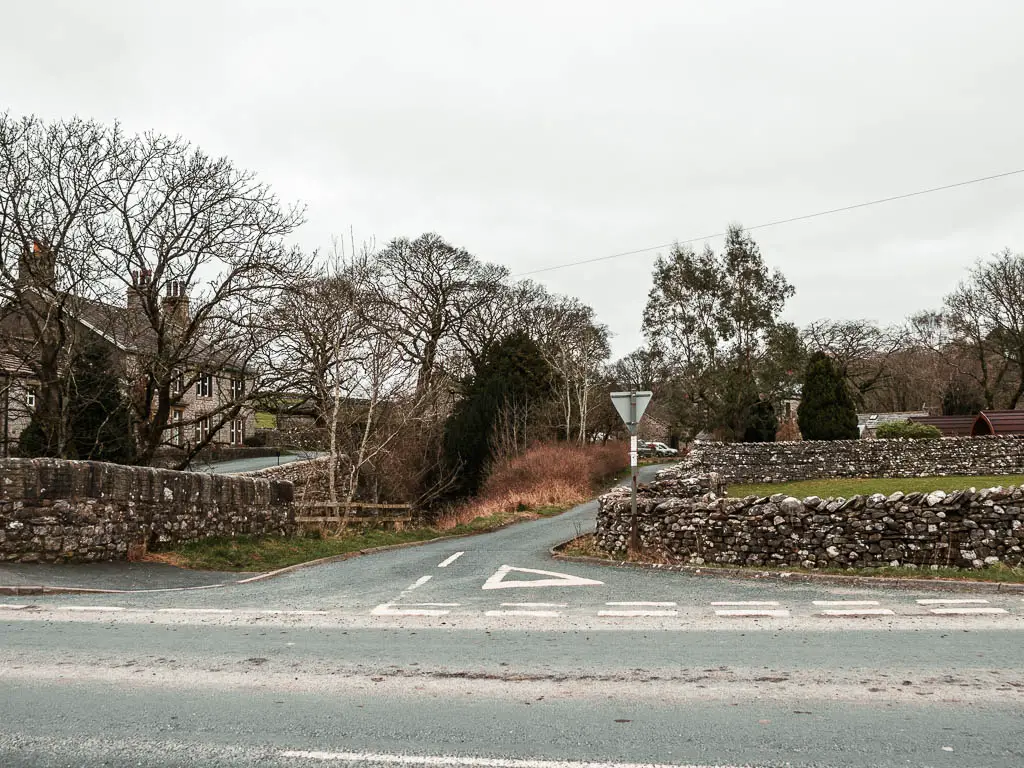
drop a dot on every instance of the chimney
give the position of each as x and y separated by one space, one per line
137 291
175 303
37 266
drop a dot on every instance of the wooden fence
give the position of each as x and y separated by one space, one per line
340 513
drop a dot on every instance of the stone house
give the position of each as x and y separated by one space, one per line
868 423
207 386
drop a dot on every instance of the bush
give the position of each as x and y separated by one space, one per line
908 430
826 408
256 440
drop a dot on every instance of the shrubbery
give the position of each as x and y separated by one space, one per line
909 430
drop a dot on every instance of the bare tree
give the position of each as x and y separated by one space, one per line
199 247
863 353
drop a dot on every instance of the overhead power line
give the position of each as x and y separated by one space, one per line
776 223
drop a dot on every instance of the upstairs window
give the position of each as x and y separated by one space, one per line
237 389
177 382
204 385
30 399
177 433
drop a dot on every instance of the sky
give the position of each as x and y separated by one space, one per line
538 133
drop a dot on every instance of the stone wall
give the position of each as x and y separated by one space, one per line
75 511
815 459
686 519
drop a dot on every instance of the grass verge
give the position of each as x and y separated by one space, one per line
865 486
584 546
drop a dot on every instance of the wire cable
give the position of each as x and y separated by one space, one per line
776 223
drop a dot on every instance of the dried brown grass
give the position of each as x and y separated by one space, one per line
550 475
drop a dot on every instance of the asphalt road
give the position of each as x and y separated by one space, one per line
460 653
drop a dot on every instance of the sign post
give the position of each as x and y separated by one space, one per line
631 406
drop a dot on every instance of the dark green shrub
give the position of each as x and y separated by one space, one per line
908 430
826 408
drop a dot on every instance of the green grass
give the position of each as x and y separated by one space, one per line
865 486
584 546
265 420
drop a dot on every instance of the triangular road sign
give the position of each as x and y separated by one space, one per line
621 402
497 581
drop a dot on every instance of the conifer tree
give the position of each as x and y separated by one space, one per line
826 408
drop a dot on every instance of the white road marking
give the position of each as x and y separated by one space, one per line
497 581
645 605
193 610
514 612
748 602
966 611
12 607
448 561
440 761
859 612
637 613
108 608
753 614
387 610
276 612
841 603
534 605
952 602
431 605
419 583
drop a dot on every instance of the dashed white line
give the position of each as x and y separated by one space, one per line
952 602
12 607
441 761
534 605
749 603
837 613
636 613
520 612
193 610
966 611
419 583
448 561
104 608
842 603
387 610
752 614
276 612
644 605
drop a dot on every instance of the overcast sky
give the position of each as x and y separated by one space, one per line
536 133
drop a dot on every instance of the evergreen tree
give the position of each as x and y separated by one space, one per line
511 378
101 427
826 408
960 399
761 423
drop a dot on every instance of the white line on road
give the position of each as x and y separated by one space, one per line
645 605
966 611
637 613
842 603
466 762
277 612
748 602
448 561
515 612
108 608
12 607
952 602
534 605
745 614
388 610
193 610
419 583
497 579
858 612
431 605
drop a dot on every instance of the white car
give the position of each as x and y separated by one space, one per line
660 449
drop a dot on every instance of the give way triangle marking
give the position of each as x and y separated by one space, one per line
497 581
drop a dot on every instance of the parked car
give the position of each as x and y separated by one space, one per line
660 449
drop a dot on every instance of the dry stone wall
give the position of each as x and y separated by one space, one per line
817 459
77 511
687 519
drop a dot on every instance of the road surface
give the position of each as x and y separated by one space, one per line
461 653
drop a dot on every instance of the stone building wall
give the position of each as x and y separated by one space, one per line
75 511
687 519
816 459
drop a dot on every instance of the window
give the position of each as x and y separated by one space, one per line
177 382
177 433
204 385
202 429
30 399
237 389
238 431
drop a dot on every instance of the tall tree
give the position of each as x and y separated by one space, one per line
102 427
826 409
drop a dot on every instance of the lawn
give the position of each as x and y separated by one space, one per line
865 486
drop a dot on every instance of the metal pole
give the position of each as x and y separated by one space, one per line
634 533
